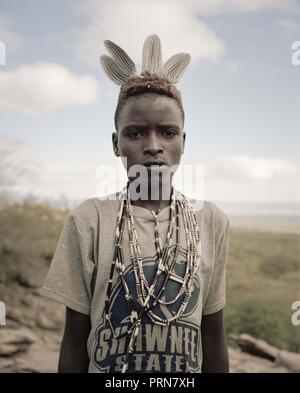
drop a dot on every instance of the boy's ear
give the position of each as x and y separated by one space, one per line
183 144
115 144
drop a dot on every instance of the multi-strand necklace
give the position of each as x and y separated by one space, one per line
165 265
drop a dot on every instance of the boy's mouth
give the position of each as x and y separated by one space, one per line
154 163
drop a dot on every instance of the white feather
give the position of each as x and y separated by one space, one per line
121 57
113 70
175 65
151 60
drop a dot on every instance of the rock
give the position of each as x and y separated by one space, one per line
290 360
262 350
27 301
13 341
45 323
40 358
20 316
6 365
241 362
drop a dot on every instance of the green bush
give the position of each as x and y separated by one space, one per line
252 317
277 265
263 319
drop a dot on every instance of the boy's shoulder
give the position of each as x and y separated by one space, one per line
216 213
210 213
90 208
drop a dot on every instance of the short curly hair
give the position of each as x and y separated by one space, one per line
144 84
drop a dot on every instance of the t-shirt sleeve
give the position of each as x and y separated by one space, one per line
70 274
216 297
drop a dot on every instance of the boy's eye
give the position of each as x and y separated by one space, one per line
168 133
135 134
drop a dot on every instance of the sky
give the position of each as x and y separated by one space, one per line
241 93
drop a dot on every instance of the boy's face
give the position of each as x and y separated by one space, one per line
150 129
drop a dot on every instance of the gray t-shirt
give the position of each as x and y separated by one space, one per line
78 278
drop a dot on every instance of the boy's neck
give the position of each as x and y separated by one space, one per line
155 204
152 205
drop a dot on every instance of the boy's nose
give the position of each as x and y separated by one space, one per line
153 151
152 146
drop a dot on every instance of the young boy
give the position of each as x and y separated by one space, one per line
143 277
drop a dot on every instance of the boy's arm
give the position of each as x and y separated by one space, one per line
215 353
73 356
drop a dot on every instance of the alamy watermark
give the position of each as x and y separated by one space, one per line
295 318
296 53
2 54
2 314
151 182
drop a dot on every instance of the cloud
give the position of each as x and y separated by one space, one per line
129 22
179 24
11 40
289 25
252 168
232 67
207 7
244 178
45 87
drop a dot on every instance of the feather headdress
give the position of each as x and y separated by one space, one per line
120 68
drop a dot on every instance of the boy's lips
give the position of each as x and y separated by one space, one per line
150 163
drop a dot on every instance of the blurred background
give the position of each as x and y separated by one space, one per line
241 95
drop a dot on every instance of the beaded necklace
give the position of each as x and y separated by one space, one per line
166 262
